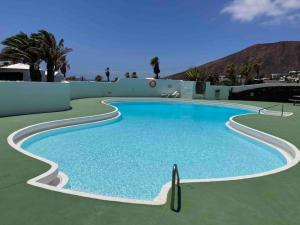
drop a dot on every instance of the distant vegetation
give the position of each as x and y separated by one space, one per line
214 79
98 78
234 74
199 75
134 75
195 74
257 67
245 72
231 74
71 78
237 75
35 48
127 75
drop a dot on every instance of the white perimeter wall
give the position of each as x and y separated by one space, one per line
211 92
188 89
123 88
33 97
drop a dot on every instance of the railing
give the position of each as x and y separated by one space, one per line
175 183
282 108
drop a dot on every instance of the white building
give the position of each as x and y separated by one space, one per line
20 72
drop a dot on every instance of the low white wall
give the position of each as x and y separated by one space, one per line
85 89
123 88
214 92
188 89
33 97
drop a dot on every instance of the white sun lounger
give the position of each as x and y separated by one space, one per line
175 94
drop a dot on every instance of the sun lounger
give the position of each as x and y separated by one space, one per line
175 94
164 95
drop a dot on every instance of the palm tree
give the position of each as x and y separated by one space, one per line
231 74
245 71
195 74
53 52
21 48
64 66
257 68
155 64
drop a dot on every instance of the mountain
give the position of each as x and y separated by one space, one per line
279 57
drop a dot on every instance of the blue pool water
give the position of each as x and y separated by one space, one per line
133 156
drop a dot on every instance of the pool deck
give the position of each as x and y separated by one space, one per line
273 199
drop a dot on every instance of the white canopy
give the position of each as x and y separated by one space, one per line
19 66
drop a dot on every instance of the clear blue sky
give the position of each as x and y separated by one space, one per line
124 35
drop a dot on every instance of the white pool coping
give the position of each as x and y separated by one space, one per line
291 152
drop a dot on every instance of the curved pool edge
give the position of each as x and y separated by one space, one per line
44 180
290 151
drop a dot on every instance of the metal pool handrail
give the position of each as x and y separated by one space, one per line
175 182
282 108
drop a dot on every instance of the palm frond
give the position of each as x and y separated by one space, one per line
154 61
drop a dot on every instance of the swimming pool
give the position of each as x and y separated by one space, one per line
132 157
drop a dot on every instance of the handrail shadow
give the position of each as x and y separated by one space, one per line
175 183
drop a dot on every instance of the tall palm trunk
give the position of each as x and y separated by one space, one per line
32 72
50 72
38 75
35 74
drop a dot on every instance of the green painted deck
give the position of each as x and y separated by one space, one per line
270 200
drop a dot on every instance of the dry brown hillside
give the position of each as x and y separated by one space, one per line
279 57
